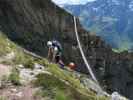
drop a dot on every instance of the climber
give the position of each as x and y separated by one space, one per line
55 51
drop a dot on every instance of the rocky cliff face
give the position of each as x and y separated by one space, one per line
113 70
30 23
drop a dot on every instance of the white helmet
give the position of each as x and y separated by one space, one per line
49 43
55 49
72 64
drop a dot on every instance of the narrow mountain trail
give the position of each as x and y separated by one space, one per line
9 91
5 69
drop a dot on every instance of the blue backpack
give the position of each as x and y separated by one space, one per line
57 44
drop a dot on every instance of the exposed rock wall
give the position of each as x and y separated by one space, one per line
32 22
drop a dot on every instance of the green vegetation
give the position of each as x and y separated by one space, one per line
3 81
14 77
65 76
120 50
57 89
2 98
6 46
125 45
60 95
26 60
50 85
116 50
61 85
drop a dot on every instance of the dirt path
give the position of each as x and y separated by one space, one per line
13 92
19 93
5 70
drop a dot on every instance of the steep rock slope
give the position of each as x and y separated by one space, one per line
31 23
28 77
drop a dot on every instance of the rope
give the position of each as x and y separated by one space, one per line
85 60
82 53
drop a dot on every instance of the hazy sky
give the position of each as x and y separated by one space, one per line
72 1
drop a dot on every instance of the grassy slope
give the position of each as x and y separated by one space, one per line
61 85
71 87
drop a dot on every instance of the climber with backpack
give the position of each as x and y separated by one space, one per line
55 50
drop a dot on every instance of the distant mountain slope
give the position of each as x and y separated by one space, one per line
110 19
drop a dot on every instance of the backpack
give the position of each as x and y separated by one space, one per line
57 44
